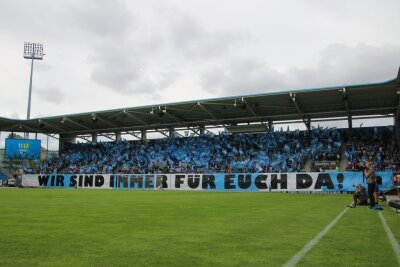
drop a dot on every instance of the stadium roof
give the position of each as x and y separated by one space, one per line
376 99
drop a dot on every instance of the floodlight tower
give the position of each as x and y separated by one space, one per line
32 51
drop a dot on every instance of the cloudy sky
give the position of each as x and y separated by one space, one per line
110 54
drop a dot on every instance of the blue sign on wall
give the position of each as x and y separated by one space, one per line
22 149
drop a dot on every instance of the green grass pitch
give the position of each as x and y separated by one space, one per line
50 227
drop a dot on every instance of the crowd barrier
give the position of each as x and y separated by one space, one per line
267 182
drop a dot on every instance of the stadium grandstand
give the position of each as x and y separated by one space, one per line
246 144
251 141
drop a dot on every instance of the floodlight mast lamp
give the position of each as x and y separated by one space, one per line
32 51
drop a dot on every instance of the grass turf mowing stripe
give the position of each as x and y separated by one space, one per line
393 242
299 255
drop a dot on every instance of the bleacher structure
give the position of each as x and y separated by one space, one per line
238 114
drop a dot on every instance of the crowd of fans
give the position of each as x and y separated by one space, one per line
274 151
377 144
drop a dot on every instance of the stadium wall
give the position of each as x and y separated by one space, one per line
262 182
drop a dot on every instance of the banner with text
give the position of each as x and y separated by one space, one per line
274 182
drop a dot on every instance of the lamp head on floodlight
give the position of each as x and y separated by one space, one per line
33 50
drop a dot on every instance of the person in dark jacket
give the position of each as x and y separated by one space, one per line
360 196
370 177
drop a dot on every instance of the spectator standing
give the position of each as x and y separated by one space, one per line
376 189
370 176
396 183
395 180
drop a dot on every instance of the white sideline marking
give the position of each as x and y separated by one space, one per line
395 245
299 255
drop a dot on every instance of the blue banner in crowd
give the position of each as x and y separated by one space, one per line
272 182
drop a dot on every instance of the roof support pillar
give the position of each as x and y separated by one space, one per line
65 141
171 132
118 137
350 121
202 129
270 125
94 138
308 123
143 135
396 118
345 98
396 123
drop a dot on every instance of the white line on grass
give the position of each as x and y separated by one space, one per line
299 255
395 245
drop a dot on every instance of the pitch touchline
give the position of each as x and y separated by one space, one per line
299 255
395 245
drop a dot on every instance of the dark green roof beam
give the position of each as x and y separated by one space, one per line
305 120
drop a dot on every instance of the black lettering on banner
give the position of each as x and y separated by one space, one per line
52 180
282 181
116 181
303 181
80 180
340 179
72 181
229 184
324 179
208 181
193 181
161 181
111 180
261 181
244 180
60 180
136 179
43 180
98 181
148 182
178 180
88 180
117 185
123 181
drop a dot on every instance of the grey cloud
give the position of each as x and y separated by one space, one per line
127 64
17 18
166 78
121 70
192 40
112 67
102 18
116 60
66 21
50 94
123 63
339 65
127 71
242 76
